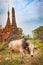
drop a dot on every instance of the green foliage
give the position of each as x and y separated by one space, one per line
8 62
39 29
2 46
38 33
21 31
27 36
39 43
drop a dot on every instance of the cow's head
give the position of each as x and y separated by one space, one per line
31 49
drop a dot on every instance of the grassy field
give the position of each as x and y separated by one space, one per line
36 60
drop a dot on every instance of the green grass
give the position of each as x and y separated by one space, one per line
37 60
8 62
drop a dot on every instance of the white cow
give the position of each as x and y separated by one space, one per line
19 46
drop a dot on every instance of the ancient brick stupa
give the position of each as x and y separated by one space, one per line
8 25
10 31
6 29
14 30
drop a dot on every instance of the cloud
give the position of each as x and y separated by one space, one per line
30 25
32 11
21 4
4 9
4 4
29 13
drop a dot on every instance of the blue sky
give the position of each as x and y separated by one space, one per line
29 13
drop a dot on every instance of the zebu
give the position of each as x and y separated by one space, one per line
19 46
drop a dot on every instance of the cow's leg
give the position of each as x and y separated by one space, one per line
21 54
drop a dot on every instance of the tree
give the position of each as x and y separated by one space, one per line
21 31
27 36
38 33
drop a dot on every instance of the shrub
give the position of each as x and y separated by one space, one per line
8 62
2 46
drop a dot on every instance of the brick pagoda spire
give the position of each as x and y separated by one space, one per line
13 18
8 25
7 29
10 31
14 29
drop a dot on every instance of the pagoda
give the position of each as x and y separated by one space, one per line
8 25
14 30
7 29
10 31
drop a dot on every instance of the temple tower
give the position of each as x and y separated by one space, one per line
14 30
10 31
8 25
7 29
13 18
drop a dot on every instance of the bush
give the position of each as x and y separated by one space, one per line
8 62
2 46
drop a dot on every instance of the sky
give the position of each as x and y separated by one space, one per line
29 13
